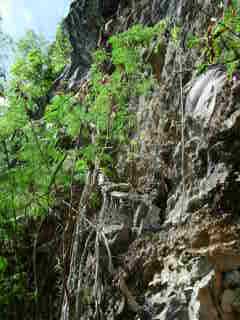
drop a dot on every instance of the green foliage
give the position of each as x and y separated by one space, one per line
126 47
29 154
31 74
33 152
221 43
12 289
40 157
175 33
103 113
31 41
193 41
37 64
3 264
109 94
60 50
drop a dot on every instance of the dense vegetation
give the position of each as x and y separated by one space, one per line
220 44
50 140
27 154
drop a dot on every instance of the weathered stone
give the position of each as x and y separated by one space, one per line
227 300
231 279
184 267
236 302
156 280
83 24
202 305
229 316
175 309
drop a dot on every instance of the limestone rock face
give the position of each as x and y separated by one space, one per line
177 250
82 24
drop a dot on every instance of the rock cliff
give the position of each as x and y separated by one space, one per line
175 238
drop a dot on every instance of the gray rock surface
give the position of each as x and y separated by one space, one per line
183 262
83 24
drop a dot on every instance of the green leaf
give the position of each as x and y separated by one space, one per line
193 41
3 264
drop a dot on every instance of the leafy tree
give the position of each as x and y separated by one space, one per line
28 153
31 74
60 50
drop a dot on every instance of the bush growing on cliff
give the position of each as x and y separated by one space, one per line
32 149
221 45
103 113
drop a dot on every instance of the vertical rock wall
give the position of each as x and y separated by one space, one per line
83 24
185 261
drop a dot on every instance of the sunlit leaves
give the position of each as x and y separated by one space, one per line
221 43
3 264
60 51
42 158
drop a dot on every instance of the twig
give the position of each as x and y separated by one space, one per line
110 264
97 255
